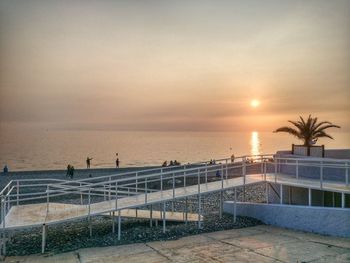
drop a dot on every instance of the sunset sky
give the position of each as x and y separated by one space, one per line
173 65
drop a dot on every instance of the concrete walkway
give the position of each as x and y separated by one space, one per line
255 244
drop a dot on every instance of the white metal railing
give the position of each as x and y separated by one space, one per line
116 186
339 166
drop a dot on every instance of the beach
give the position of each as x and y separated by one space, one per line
65 237
5 178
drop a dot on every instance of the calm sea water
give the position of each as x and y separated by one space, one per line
23 149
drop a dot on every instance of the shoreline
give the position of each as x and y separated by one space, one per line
61 174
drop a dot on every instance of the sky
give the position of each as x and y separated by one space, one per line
173 65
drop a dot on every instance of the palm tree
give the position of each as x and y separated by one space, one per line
308 130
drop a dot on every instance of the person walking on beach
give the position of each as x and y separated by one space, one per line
232 158
70 171
117 163
88 162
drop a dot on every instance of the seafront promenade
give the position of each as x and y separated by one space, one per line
108 195
254 244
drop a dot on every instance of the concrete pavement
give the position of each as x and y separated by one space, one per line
255 244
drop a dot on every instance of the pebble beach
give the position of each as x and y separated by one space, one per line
74 235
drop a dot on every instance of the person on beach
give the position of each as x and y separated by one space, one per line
117 163
6 169
70 171
232 158
88 162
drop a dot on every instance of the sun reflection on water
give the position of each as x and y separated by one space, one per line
255 143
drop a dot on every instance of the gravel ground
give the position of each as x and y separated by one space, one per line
69 237
74 235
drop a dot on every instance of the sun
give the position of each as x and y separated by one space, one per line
255 103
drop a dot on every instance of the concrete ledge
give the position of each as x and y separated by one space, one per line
321 220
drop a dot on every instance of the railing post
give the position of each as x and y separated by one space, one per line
17 192
136 187
116 195
81 195
310 196
161 182
321 175
206 172
8 203
199 181
104 192
297 169
347 174
43 241
174 185
222 171
109 190
47 198
146 190
164 216
199 211
184 176
222 176
244 169
3 213
235 208
226 169
276 168
89 201
119 226
281 194
275 163
267 192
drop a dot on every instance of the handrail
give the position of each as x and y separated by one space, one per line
82 186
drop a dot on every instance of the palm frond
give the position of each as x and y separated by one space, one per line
297 124
323 134
308 129
322 128
313 123
289 130
321 123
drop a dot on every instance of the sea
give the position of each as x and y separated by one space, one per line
26 149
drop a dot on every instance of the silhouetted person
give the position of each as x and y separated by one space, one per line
171 163
232 158
6 169
88 162
117 163
70 171
165 164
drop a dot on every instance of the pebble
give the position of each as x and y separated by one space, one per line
75 235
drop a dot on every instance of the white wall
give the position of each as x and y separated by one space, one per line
322 220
